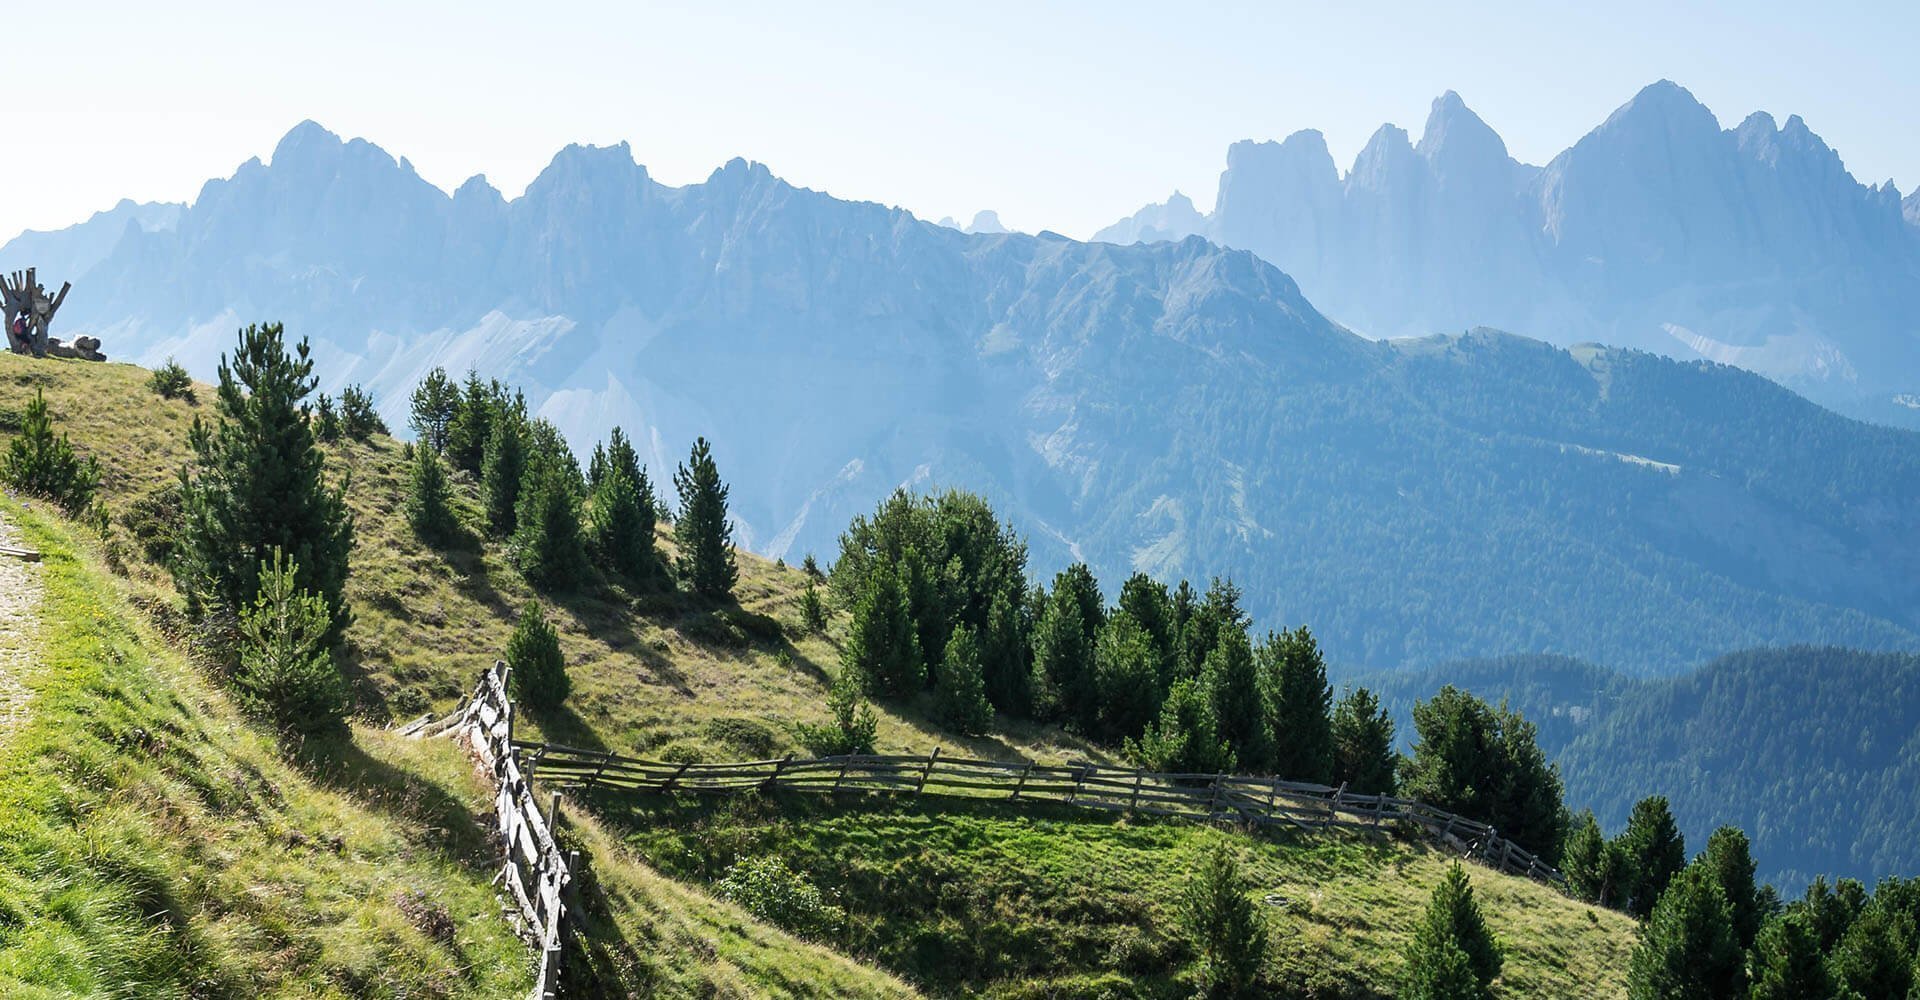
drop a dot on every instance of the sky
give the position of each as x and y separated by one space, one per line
1061 116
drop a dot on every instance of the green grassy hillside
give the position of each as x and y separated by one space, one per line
1078 904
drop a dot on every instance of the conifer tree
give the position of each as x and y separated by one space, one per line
1127 677
1232 681
1655 852
536 666
286 664
358 419
1151 606
1454 915
1063 663
1006 652
960 693
1201 627
471 425
1185 739
326 419
501 473
1473 759
882 647
36 462
1442 972
1224 926
547 544
1300 706
1596 869
1787 963
703 533
1687 950
811 567
1875 956
431 408
813 611
429 503
621 527
1363 755
257 482
1729 857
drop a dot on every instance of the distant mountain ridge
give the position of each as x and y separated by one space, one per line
1178 408
1751 246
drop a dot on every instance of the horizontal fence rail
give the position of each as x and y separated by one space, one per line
1229 798
536 873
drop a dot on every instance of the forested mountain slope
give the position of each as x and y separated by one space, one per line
655 673
1813 751
1177 408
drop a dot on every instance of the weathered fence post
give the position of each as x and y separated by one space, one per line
1139 775
925 774
1079 778
1022 783
773 780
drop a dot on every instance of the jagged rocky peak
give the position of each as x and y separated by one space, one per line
1663 106
1455 133
1910 207
1387 156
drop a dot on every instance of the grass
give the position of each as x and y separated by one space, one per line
972 899
154 845
968 899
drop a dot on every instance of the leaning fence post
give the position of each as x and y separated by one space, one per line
553 818
773 780
1139 774
924 775
1022 783
1213 802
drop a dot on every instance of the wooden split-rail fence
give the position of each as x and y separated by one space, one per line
539 876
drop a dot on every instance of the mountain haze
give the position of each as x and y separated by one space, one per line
1178 408
1660 230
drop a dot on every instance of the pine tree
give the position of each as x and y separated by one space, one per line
621 527
813 611
431 409
501 473
1233 684
1596 869
429 499
1127 676
257 482
882 647
1729 857
1442 972
45 466
286 667
811 567
1363 755
1185 739
358 419
1150 604
1301 703
536 666
1875 956
1063 664
1201 627
1453 956
171 381
471 426
1006 653
1687 950
959 691
703 533
547 545
1224 926
1655 853
1787 963
853 724
326 419
1473 759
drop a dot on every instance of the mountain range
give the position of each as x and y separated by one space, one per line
1659 229
1178 407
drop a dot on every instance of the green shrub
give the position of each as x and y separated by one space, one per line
768 889
745 737
46 466
537 667
1223 925
854 723
171 381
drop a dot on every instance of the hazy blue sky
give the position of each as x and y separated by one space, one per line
1061 116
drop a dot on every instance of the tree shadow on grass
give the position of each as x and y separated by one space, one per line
445 820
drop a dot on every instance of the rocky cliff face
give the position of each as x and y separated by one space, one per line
1659 229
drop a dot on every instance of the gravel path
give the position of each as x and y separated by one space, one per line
19 614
